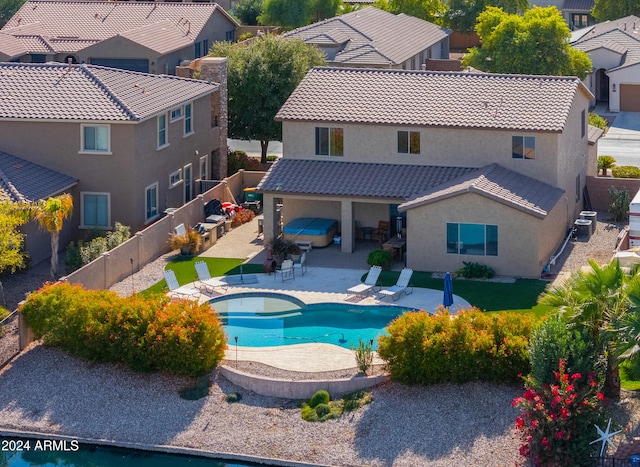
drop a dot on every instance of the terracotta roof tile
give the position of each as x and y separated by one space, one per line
89 92
10 47
594 134
616 40
441 99
500 184
21 180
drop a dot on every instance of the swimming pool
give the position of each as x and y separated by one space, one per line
266 320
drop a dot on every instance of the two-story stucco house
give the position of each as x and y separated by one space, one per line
375 38
151 37
481 167
135 142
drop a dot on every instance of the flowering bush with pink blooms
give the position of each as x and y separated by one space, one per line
557 420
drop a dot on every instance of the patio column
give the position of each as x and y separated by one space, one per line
347 227
269 214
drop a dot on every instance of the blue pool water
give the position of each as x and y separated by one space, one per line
265 320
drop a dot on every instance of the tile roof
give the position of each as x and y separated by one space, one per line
163 37
578 5
95 21
323 177
90 92
373 37
21 180
10 47
594 134
625 43
499 184
628 23
440 99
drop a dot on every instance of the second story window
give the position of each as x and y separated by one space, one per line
95 138
198 49
329 141
176 114
188 127
162 131
409 142
523 147
583 122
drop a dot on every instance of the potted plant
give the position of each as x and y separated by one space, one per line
188 244
283 249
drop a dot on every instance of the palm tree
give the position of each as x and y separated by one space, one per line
597 300
50 215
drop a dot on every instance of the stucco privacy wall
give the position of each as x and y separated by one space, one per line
598 188
524 241
147 245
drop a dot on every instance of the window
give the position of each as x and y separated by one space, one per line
329 141
409 142
95 138
176 114
578 188
175 178
162 131
188 195
188 127
230 35
151 201
472 239
584 123
205 46
204 167
95 210
198 51
523 147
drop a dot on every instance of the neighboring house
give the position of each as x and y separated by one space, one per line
614 50
482 167
24 181
577 13
374 38
135 142
138 36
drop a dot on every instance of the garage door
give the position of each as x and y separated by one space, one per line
630 97
123 63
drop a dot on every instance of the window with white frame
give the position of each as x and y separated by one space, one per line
188 119
329 141
95 210
176 114
151 202
162 131
409 142
95 138
204 167
523 147
175 178
472 239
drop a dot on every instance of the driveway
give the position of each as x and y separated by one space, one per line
622 141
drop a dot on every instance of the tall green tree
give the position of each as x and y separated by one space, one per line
50 214
535 43
604 10
12 255
428 10
597 301
296 13
462 15
8 8
260 78
247 11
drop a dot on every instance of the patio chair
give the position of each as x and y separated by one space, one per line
402 286
302 265
369 283
382 232
205 282
175 289
286 271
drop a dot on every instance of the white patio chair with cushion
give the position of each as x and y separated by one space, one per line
205 282
369 283
286 271
402 286
178 291
181 230
302 265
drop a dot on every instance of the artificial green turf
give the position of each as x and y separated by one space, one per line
629 379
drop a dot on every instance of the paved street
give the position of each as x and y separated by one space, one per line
622 141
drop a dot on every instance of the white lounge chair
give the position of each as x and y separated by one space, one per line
286 271
175 289
302 265
402 286
369 283
205 282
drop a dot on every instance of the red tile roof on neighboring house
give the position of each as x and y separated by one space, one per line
438 99
89 92
499 184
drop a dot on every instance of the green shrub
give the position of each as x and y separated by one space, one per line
475 271
381 258
364 355
619 201
98 242
320 408
272 158
426 349
605 163
240 160
200 390
355 400
320 397
626 171
233 397
598 121
244 36
146 333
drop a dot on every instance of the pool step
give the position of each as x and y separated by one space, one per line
286 315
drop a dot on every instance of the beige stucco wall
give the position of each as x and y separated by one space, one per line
525 243
628 75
